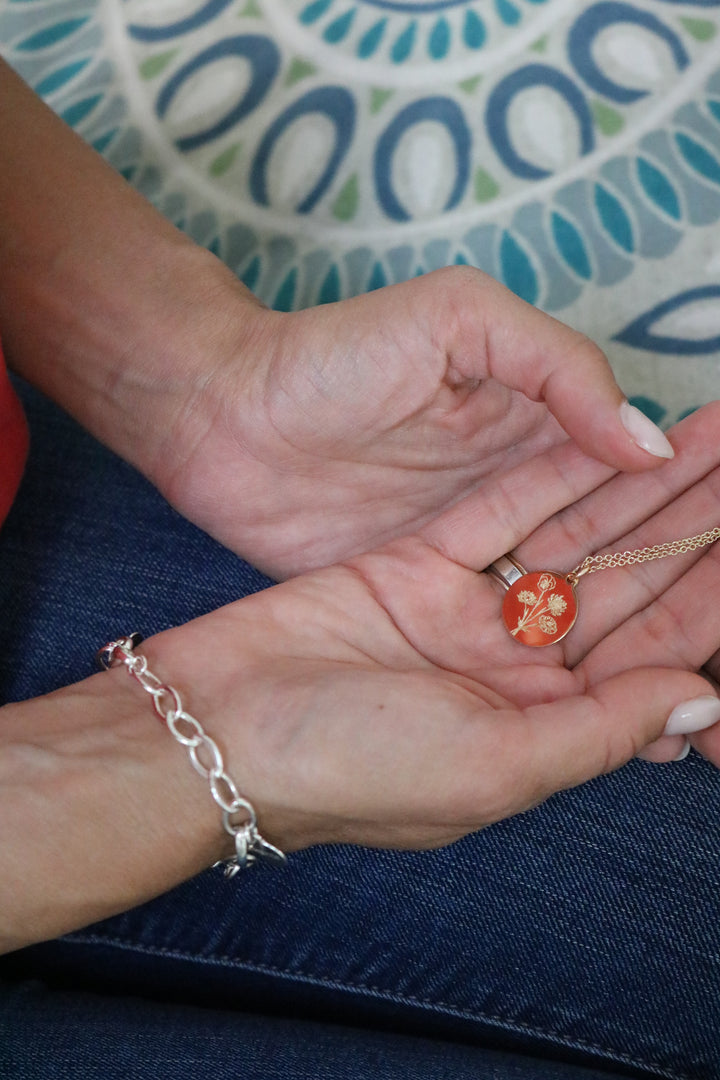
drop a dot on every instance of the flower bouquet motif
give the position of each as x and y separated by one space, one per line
541 607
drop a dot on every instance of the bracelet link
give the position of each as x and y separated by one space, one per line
249 844
249 847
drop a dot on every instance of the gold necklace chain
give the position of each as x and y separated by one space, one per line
628 558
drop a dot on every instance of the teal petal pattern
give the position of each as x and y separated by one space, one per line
285 297
613 217
585 232
49 84
517 270
50 35
658 188
474 32
251 276
74 114
569 243
404 44
652 409
370 41
330 289
508 12
595 183
314 11
699 157
339 28
439 42
378 278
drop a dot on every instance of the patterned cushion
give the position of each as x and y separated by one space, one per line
326 147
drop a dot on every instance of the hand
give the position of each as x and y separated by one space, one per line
377 702
332 430
297 440
385 702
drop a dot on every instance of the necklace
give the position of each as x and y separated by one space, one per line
540 607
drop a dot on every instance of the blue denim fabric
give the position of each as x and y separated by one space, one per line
176 1042
584 932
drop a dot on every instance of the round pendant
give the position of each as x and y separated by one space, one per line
540 608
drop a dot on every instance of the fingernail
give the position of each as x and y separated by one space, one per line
693 715
684 752
642 431
657 752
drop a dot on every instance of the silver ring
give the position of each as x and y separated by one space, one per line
506 570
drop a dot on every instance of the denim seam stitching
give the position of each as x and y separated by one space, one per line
466 1014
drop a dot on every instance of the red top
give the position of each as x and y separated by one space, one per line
13 441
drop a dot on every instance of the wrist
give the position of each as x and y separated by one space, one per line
105 305
95 794
129 350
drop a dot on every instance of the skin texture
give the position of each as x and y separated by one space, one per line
378 701
295 439
364 420
410 436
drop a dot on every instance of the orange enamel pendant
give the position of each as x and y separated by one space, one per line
540 608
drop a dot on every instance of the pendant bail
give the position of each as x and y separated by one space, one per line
584 568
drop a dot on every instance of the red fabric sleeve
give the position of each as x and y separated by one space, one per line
13 441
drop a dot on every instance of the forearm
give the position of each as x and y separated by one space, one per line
102 300
99 809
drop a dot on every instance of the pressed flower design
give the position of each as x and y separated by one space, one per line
540 608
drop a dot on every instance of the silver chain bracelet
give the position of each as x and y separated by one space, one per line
189 732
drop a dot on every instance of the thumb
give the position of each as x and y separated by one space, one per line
567 742
529 351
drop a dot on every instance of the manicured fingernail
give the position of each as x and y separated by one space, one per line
657 752
642 431
693 715
684 752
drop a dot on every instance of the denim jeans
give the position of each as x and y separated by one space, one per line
578 940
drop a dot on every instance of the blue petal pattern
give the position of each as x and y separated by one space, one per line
205 14
499 104
639 332
333 102
581 42
264 59
598 226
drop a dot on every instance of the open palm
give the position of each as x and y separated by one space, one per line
386 703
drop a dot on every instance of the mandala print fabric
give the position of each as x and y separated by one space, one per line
323 148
